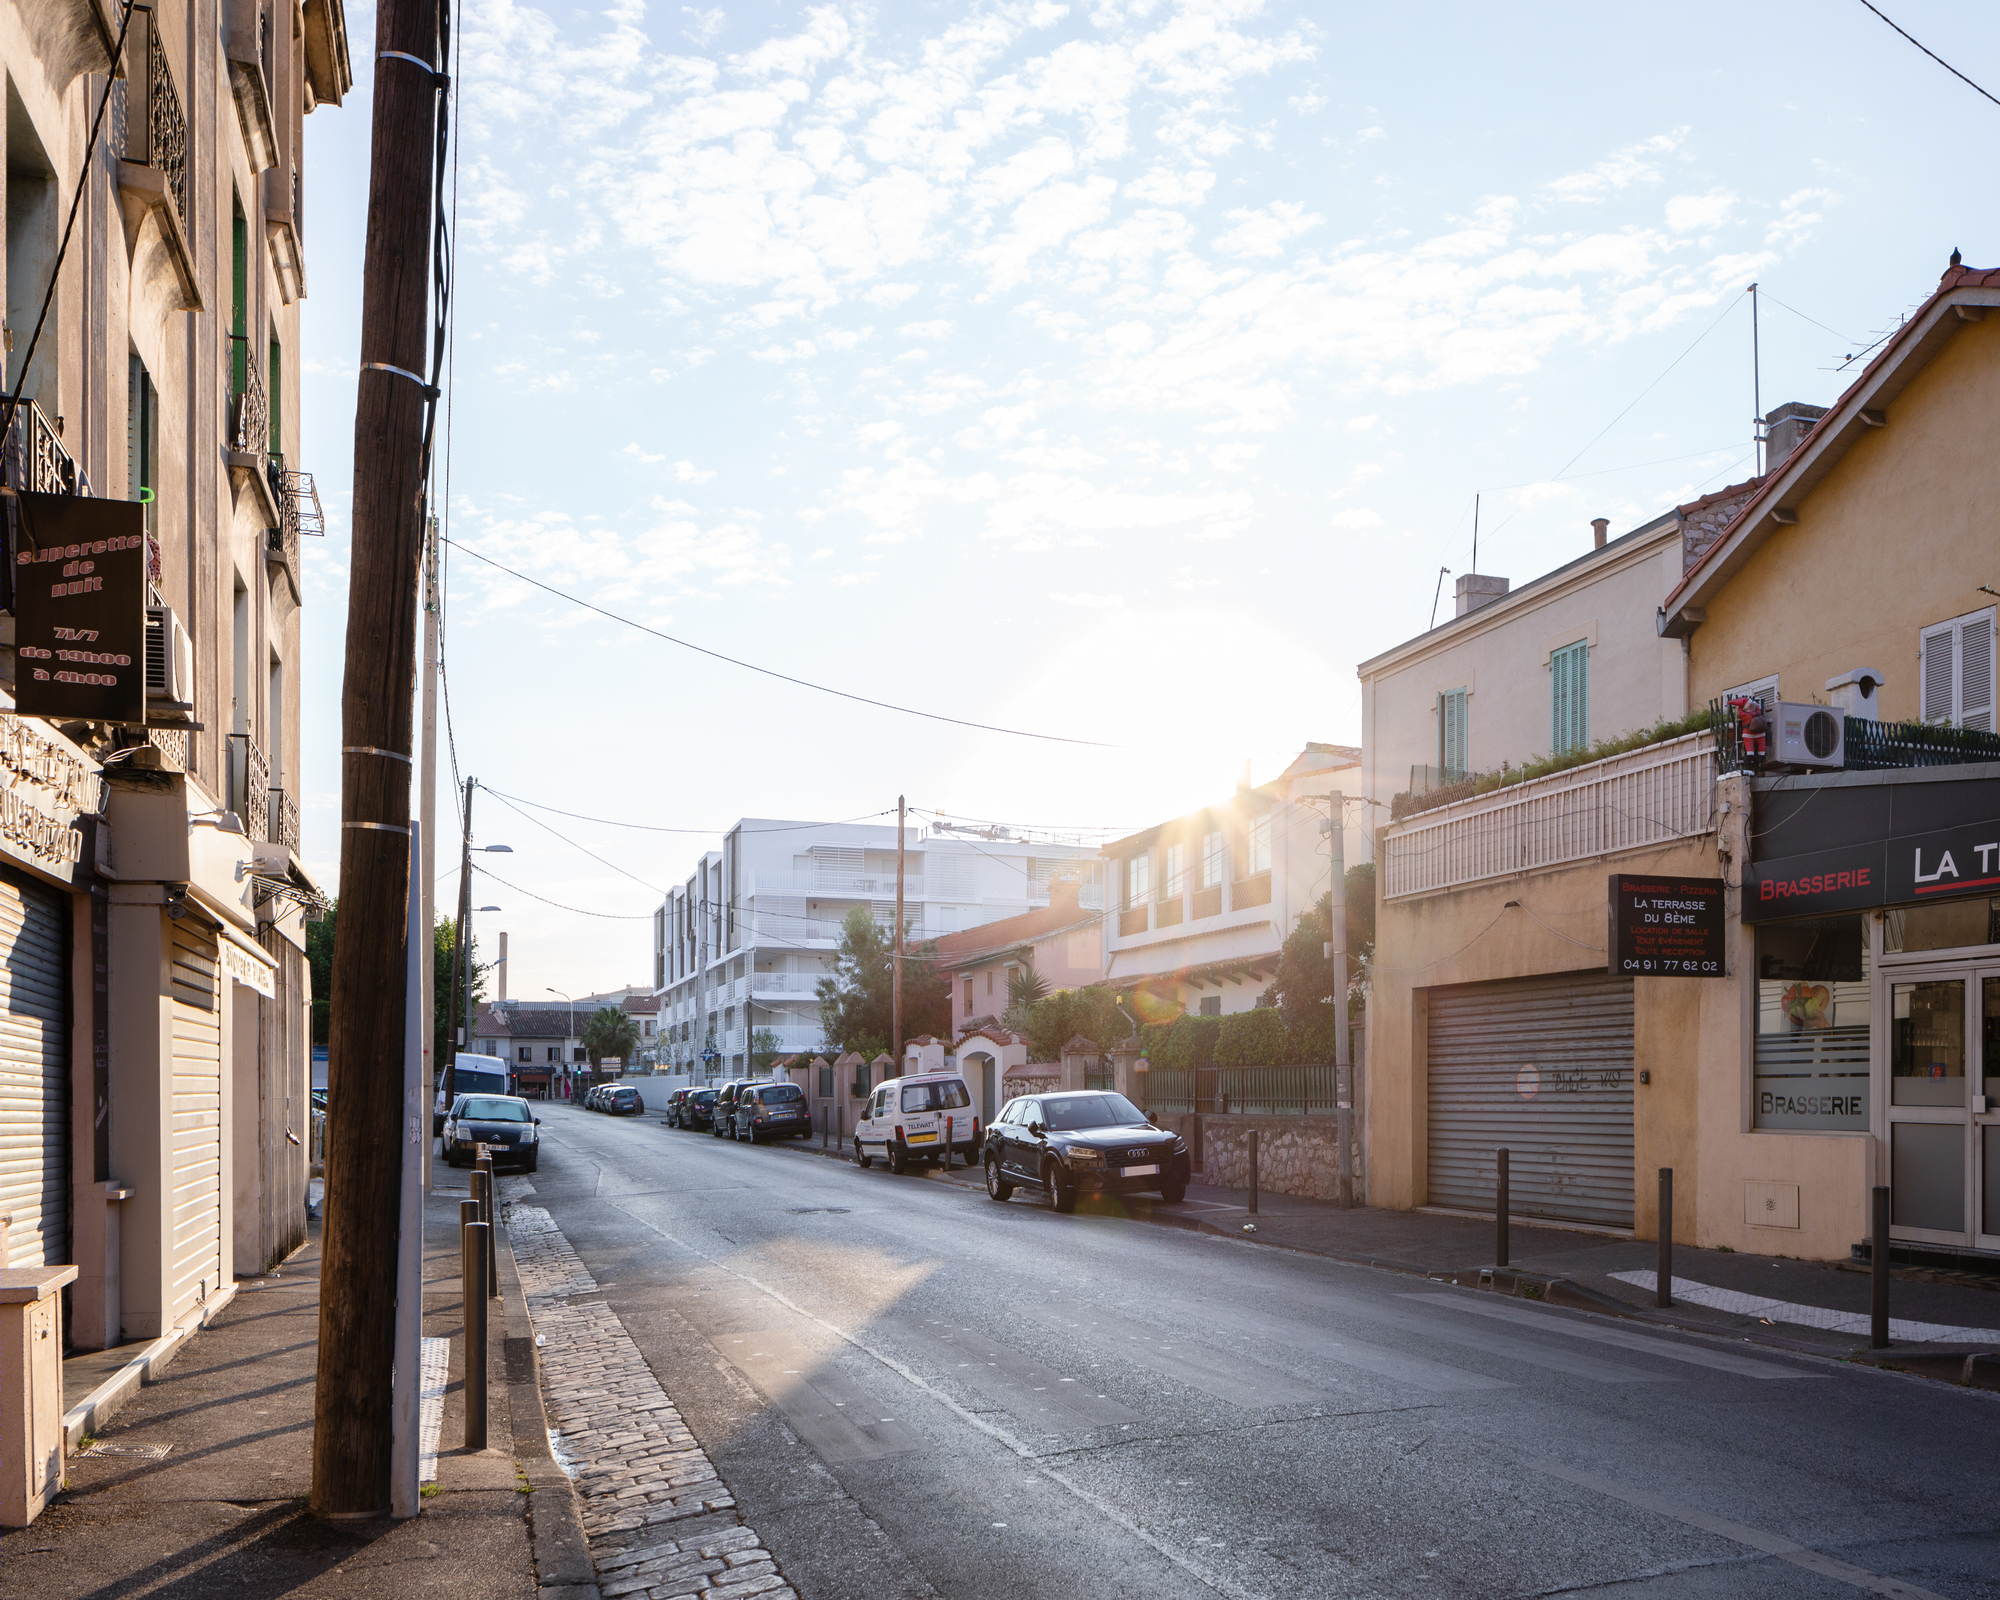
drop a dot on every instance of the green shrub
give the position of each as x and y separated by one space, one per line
1253 1039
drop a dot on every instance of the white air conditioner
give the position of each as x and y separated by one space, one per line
1808 736
169 658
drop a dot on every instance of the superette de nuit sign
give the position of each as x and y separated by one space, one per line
80 608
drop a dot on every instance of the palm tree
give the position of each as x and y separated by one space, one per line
609 1032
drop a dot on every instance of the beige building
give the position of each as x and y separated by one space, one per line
151 887
1840 1041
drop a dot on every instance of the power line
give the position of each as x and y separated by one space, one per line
1795 311
608 916
782 677
594 856
648 827
1940 60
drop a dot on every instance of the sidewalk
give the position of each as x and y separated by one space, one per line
198 1483
1938 1319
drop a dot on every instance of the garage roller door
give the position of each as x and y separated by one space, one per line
1543 1067
34 1075
197 1151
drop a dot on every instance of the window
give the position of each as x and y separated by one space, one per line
1813 1012
1211 1005
946 1094
1764 689
526 1053
989 980
1214 859
968 997
1173 871
274 378
1957 684
1257 847
1138 880
1569 697
1451 734
554 1053
142 439
239 302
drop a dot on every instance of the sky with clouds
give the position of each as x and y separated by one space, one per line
1122 371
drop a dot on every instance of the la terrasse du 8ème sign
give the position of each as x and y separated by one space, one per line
80 608
1665 927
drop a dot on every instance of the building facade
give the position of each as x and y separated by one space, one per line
1842 824
156 994
1061 944
740 947
1201 905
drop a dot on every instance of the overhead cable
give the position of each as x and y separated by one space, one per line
769 672
608 916
1940 60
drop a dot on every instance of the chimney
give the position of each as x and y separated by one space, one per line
1784 428
1856 693
500 969
1600 530
1065 890
1476 590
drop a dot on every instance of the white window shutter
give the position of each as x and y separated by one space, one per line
1975 672
1934 691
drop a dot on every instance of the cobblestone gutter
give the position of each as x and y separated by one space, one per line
661 1524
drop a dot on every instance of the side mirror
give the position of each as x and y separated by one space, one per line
535 1120
1037 1129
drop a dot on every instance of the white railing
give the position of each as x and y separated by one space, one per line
871 885
1646 797
785 983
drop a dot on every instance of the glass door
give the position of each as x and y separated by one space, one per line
1986 1115
1930 1112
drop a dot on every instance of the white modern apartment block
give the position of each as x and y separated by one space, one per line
740 947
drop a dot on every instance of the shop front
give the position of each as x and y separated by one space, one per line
1873 899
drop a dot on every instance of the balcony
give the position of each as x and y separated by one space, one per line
248 446
299 515
785 983
247 44
1169 913
284 820
250 786
282 231
1131 921
32 455
1207 903
1644 798
1249 892
153 177
837 885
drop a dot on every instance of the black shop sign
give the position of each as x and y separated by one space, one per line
1665 927
80 608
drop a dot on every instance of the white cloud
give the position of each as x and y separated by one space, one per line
1089 602
1266 232
1355 518
1634 163
688 472
1696 213
637 454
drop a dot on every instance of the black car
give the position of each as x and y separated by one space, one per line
722 1114
621 1100
501 1122
772 1111
671 1112
1082 1141
697 1110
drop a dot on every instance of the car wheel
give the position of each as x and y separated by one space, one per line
1173 1193
861 1157
1061 1193
997 1187
899 1158
534 1162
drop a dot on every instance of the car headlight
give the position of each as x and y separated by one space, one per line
1079 1156
528 1135
1179 1147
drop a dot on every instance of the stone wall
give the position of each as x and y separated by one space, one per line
1050 1084
1295 1155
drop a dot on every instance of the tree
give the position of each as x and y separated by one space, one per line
607 1031
1305 976
1025 987
1051 1022
856 1009
763 1049
319 961
444 1026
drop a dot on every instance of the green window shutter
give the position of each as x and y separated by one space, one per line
1569 697
1452 741
239 301
275 378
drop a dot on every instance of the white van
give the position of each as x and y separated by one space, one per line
927 1116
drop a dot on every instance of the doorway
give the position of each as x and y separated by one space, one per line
1942 1117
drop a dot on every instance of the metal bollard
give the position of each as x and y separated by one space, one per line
1663 1278
482 1191
472 1267
1500 1213
1878 1262
1253 1172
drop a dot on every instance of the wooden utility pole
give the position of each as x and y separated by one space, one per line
427 814
352 1413
896 976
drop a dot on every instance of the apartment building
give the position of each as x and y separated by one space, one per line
740 946
156 1106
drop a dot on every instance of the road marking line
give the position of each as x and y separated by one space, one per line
433 1374
1569 1328
1770 1543
1757 1305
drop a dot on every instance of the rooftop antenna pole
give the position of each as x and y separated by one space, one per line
1756 386
1443 573
1475 533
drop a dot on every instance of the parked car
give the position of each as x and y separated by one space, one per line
501 1122
1082 1141
925 1117
670 1113
698 1109
772 1111
722 1115
622 1100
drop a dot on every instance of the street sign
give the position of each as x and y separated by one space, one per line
711 1055
1665 927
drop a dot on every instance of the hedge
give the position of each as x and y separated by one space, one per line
1256 1038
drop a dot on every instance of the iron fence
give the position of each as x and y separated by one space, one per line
1880 746
155 126
284 819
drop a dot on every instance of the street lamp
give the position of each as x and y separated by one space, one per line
572 1029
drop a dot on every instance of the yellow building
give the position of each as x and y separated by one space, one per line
1844 1041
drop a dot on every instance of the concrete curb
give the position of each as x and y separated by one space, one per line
563 1568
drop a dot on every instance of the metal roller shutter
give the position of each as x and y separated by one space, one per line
197 1195
34 1074
1543 1067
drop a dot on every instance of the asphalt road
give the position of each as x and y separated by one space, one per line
913 1390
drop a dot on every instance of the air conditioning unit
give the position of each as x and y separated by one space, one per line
169 658
1808 736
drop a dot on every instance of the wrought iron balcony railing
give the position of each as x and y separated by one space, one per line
32 454
299 515
284 827
155 126
249 406
250 785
